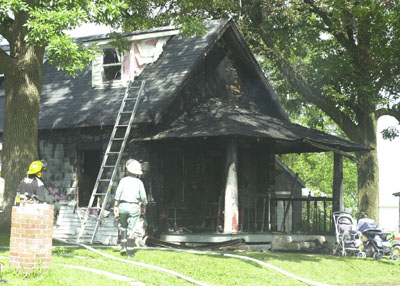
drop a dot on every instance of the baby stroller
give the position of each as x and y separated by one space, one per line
376 242
348 239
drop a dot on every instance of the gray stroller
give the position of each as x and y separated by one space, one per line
348 239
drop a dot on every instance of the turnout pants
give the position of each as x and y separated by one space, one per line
129 216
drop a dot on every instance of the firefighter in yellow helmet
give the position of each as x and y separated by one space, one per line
33 186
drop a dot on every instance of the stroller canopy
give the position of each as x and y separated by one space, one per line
366 224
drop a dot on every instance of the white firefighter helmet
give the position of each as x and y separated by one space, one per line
134 167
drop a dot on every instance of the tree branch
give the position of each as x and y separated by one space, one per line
391 73
4 61
395 112
309 93
6 28
346 37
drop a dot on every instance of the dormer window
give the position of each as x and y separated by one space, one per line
113 68
108 69
112 65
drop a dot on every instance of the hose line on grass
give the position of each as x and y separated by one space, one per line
284 272
148 266
105 273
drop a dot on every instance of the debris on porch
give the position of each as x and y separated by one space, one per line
69 221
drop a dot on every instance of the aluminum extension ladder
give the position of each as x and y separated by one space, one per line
112 156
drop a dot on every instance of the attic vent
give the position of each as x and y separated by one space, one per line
112 65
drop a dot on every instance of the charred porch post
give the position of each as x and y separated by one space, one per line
338 197
231 214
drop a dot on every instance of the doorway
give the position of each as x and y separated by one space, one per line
89 166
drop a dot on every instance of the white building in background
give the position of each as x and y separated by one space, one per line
389 176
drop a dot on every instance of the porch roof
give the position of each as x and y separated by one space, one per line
217 118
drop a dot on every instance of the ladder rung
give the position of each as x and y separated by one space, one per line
108 166
112 153
104 180
100 194
118 139
126 112
131 98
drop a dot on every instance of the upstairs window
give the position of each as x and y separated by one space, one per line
112 65
107 69
1 79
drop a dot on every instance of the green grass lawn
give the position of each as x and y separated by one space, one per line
214 270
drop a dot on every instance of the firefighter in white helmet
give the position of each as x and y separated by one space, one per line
130 202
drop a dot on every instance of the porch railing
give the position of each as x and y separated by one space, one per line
260 213
312 215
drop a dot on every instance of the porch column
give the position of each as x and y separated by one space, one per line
231 217
338 198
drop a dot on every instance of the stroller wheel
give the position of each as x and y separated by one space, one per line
396 250
377 256
394 257
361 254
342 253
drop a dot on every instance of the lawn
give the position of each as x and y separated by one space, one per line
210 269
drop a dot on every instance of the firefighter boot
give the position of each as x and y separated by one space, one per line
131 245
123 241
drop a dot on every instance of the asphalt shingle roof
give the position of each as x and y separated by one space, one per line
68 102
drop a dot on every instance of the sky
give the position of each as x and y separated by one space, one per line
89 29
389 164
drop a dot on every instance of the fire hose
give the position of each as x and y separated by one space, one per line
270 266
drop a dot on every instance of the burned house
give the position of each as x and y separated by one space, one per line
207 130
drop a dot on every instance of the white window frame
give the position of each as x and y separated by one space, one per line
98 70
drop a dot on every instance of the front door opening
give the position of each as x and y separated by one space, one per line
90 161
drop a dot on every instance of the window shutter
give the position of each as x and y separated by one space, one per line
97 71
126 68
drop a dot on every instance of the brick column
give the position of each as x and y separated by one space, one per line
31 236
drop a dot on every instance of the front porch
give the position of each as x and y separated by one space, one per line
230 186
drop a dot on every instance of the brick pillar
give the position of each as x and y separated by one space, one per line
31 236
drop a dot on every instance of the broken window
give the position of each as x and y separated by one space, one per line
112 65
107 68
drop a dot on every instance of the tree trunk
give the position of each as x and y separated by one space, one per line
338 195
368 171
23 81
